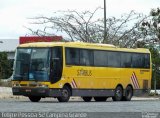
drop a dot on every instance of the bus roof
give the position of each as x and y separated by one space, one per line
85 45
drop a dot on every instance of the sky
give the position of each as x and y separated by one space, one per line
15 14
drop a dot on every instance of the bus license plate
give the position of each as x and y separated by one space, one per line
28 90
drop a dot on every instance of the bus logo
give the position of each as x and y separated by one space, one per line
134 81
83 72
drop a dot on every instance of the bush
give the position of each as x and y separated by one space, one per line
153 94
5 66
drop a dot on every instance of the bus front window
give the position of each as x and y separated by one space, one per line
21 64
39 64
31 64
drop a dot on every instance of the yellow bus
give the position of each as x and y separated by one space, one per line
64 69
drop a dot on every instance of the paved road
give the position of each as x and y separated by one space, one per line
52 105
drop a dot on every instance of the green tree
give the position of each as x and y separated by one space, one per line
5 66
151 26
155 58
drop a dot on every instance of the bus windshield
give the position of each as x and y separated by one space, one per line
31 64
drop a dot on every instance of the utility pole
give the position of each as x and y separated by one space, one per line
155 81
105 40
0 65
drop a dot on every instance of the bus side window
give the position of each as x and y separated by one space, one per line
138 60
147 61
72 56
125 60
86 57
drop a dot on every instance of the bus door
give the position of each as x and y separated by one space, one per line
56 66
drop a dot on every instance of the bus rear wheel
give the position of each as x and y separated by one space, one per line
34 98
66 93
87 99
128 93
100 99
118 94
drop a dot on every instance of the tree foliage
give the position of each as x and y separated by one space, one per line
76 26
85 27
5 66
151 26
124 31
155 57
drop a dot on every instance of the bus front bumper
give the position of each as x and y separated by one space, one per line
38 91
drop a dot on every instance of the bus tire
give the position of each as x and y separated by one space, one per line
118 94
128 93
34 98
66 93
100 99
87 99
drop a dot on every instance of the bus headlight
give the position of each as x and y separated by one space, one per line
46 86
15 85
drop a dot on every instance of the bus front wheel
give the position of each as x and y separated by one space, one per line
66 93
118 94
87 99
34 98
